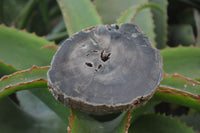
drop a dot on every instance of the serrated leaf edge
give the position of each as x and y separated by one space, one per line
9 65
43 83
25 31
70 121
182 77
128 121
174 91
23 71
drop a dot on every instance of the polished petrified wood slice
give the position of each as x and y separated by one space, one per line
105 69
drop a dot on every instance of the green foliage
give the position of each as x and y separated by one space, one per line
182 60
15 120
32 78
158 124
197 22
160 20
22 50
6 69
79 123
182 34
179 90
27 106
133 14
78 14
192 120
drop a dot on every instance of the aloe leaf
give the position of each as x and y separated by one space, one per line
179 90
191 120
56 36
160 21
83 123
1 11
171 95
23 50
43 5
194 3
111 13
197 21
13 6
182 60
25 13
182 83
79 14
174 89
153 123
14 120
6 69
59 27
46 97
34 80
134 13
59 32
42 99
130 14
147 108
181 34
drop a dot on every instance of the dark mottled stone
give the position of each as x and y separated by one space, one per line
105 69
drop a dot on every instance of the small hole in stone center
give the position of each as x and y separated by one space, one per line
99 66
105 56
116 27
88 64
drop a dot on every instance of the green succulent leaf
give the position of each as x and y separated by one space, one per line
153 123
25 79
46 97
160 21
182 60
179 90
43 5
197 22
83 123
79 14
111 13
1 11
134 13
13 119
8 6
147 108
131 12
191 120
34 80
182 83
181 34
6 69
57 36
25 13
23 50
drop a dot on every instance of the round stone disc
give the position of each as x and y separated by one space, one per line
105 69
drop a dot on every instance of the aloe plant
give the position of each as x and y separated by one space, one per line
26 104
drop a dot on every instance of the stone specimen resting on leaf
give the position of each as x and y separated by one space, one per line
105 69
